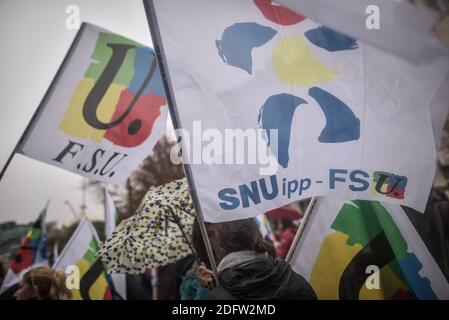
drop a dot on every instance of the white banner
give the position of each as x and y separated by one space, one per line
336 116
104 111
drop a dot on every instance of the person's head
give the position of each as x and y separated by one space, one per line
43 283
285 223
231 236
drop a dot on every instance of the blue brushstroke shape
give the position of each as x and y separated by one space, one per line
330 40
421 287
401 181
142 64
341 123
277 113
238 40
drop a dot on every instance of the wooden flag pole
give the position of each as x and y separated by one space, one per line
42 102
304 221
161 59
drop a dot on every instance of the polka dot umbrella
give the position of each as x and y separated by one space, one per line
158 234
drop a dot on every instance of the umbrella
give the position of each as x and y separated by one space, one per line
284 212
158 234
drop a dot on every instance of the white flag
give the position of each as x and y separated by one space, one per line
366 250
339 117
110 214
104 111
110 222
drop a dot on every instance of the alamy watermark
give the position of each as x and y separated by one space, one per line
228 146
72 20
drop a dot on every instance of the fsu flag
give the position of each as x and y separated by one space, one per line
32 252
366 250
103 112
276 107
80 251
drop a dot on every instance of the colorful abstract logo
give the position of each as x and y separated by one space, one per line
295 65
95 283
365 235
389 184
120 96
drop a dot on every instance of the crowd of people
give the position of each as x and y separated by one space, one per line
250 267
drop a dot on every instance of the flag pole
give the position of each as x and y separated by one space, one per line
42 102
160 55
105 213
304 221
154 284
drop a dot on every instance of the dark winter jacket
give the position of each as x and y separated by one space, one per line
247 275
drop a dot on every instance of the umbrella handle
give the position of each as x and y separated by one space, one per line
176 219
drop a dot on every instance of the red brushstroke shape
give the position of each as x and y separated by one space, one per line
277 13
107 294
396 193
402 294
146 109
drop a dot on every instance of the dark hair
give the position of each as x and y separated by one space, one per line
241 235
287 223
232 236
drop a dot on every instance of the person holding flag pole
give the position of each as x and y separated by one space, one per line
160 55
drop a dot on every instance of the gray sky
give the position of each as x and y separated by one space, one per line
34 40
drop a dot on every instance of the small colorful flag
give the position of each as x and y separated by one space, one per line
32 252
80 252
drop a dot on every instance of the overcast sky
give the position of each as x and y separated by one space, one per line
34 40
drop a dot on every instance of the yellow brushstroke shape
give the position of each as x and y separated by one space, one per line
330 264
96 291
389 284
295 64
383 188
333 258
73 123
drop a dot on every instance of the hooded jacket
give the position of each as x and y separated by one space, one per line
247 275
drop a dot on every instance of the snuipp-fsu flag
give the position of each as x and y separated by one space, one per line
352 121
104 111
366 250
